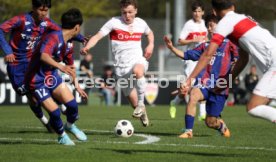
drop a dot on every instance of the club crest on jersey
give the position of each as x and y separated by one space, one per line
44 23
151 92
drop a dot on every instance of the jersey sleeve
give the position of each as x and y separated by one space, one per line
107 27
195 53
147 28
184 32
223 29
6 27
49 44
69 59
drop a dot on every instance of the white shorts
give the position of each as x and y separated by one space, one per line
189 66
266 87
128 81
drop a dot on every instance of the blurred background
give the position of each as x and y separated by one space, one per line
165 17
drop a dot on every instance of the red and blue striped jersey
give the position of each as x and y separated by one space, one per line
53 45
219 66
25 35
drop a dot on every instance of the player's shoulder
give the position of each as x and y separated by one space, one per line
53 36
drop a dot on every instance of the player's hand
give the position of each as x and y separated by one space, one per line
9 58
82 93
148 51
68 70
168 42
185 87
84 51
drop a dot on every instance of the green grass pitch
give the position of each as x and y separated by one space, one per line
23 139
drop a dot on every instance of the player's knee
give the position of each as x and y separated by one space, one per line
138 70
72 111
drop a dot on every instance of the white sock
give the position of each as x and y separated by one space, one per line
63 108
176 100
187 98
141 86
44 120
63 133
265 112
202 108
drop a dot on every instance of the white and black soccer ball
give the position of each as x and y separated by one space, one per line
124 128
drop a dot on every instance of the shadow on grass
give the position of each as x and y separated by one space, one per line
204 154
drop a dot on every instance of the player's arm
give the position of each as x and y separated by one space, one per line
203 61
171 47
6 27
92 42
149 48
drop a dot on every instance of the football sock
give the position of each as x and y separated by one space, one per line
176 100
72 111
37 110
202 108
141 86
56 121
265 112
189 122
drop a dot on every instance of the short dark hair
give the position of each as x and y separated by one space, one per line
211 18
222 4
71 18
125 3
197 4
41 3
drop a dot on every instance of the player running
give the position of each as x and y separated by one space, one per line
252 39
26 31
44 82
126 33
193 33
203 90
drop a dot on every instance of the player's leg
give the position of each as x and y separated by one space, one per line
214 106
140 111
36 108
63 94
173 104
196 95
265 89
56 122
16 75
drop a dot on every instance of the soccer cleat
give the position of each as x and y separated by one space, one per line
65 140
186 134
139 110
172 110
201 118
144 119
80 135
224 131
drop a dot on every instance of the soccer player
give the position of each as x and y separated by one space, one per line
218 68
26 31
44 82
126 32
193 33
252 39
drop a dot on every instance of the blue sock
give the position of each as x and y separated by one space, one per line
189 121
37 110
72 111
56 121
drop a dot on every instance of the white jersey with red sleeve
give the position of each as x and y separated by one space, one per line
125 40
192 30
249 36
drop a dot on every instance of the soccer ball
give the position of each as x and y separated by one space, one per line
124 128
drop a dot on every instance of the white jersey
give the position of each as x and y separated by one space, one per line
252 38
190 31
125 40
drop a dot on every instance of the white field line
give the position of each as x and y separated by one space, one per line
152 138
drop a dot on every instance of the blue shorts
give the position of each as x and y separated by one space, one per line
43 91
214 102
16 75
